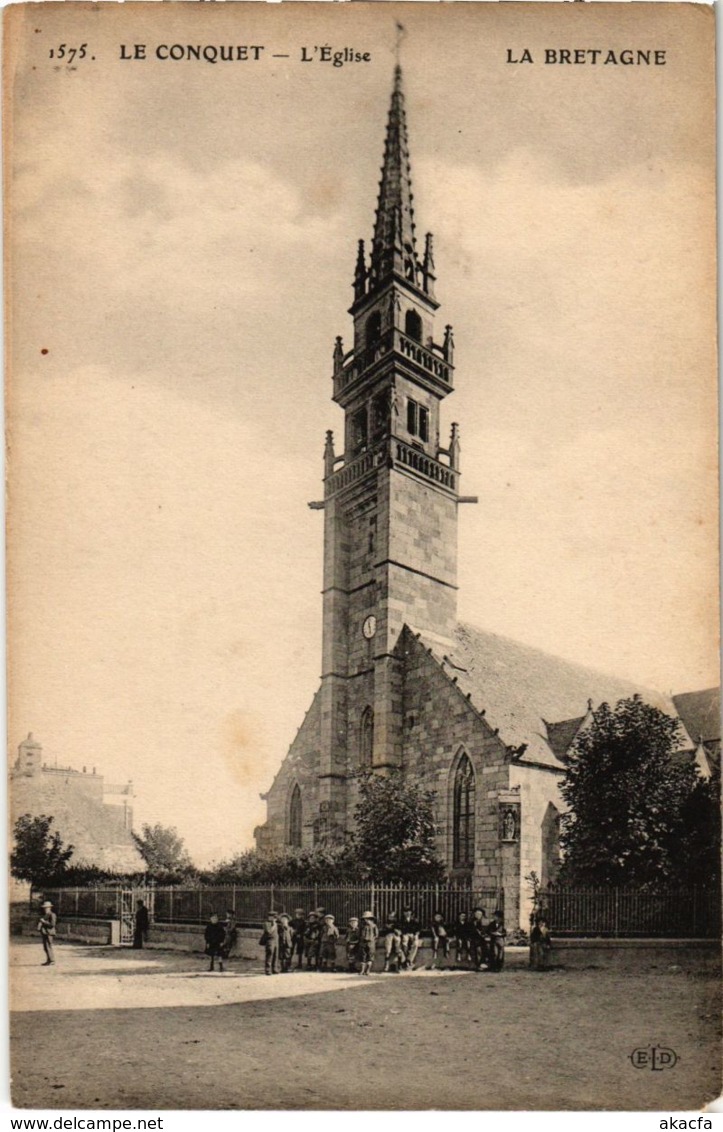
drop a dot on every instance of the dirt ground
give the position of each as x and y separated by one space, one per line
110 1028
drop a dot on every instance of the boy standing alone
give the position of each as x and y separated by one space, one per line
270 942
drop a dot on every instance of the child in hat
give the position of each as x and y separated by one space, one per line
298 926
311 942
368 936
270 942
478 939
353 940
320 912
440 938
393 954
214 936
327 939
540 945
461 934
230 936
409 929
496 935
286 942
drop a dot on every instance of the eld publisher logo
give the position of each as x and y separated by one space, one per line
656 1058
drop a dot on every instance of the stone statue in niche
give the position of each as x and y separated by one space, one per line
509 825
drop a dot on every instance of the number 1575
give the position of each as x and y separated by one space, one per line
68 53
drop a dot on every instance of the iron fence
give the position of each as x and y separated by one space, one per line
252 904
607 912
86 903
693 913
177 905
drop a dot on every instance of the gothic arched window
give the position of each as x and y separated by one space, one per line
366 739
295 818
360 430
373 329
380 414
413 325
464 813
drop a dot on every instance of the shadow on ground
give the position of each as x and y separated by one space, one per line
516 1041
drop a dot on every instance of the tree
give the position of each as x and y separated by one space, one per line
321 864
395 831
394 841
164 851
627 797
699 847
38 855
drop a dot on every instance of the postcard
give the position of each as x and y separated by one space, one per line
364 726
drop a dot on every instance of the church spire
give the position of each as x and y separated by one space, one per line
394 246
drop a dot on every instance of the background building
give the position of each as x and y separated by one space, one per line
94 816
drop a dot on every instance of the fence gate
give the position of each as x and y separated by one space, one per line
126 914
127 907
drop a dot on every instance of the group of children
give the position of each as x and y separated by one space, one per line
290 940
479 943
316 939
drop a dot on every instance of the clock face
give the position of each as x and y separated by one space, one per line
369 627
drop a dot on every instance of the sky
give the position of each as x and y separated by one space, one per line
180 257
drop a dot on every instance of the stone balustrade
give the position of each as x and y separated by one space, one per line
399 453
355 364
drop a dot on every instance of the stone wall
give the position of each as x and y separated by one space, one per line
685 955
299 767
102 932
540 806
422 541
440 724
636 955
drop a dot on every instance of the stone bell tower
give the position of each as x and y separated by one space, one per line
390 500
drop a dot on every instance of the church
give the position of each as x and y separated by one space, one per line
482 721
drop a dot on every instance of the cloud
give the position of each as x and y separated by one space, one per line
163 264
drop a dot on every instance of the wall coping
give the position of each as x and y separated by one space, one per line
560 943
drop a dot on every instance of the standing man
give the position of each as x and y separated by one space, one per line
46 927
142 923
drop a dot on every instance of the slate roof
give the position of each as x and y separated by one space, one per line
519 688
560 735
700 712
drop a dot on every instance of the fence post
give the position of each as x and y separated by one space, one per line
271 905
695 911
616 918
372 895
233 897
200 905
170 904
